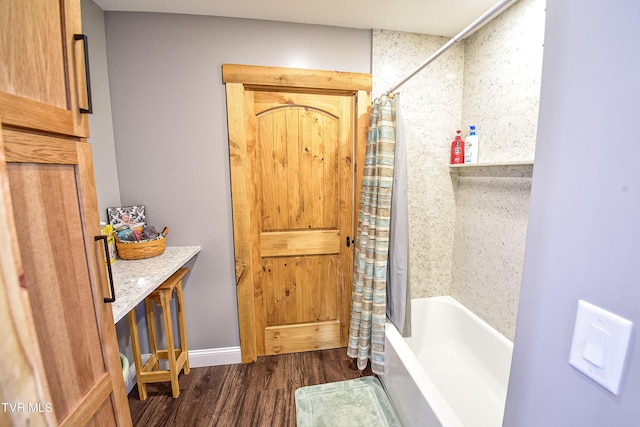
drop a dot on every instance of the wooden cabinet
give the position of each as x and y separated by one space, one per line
42 77
59 360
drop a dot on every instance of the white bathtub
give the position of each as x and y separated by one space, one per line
452 372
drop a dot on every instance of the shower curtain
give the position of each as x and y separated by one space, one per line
398 289
371 259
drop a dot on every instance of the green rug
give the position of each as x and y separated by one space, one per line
359 402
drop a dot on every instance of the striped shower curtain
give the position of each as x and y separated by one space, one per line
368 300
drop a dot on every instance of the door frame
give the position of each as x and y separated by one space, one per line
237 79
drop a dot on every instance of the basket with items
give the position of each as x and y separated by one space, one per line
134 238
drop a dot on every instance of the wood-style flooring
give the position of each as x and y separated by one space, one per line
256 394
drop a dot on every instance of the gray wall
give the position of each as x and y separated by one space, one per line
585 204
169 115
100 122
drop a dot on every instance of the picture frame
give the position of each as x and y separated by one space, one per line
123 216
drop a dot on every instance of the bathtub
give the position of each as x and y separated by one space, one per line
452 372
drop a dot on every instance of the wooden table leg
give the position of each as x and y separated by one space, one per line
183 328
137 357
165 300
151 325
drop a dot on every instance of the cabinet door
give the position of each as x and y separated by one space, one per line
55 211
42 78
22 376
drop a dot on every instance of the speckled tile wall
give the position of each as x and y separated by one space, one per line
467 233
431 104
502 69
488 250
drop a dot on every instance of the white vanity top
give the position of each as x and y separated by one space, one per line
135 280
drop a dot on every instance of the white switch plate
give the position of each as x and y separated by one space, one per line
600 344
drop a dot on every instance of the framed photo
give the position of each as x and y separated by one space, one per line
123 216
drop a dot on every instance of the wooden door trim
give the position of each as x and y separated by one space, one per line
238 79
278 77
238 158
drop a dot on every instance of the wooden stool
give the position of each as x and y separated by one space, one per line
178 358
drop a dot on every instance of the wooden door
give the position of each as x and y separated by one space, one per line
304 185
42 78
293 179
54 210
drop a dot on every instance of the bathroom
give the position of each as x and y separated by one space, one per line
159 97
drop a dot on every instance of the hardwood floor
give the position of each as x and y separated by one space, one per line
256 394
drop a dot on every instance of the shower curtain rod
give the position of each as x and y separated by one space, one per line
485 17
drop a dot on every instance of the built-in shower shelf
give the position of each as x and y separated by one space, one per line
519 169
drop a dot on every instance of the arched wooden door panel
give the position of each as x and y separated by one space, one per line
293 174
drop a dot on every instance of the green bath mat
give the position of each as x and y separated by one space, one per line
359 402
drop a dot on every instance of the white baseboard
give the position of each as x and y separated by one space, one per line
214 357
197 359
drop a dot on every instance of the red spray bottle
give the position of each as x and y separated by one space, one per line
457 150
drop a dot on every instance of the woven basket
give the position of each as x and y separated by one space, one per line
142 250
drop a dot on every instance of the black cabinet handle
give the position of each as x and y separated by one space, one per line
87 74
108 258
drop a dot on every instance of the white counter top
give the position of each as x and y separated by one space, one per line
135 280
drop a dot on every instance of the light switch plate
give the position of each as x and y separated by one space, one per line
600 344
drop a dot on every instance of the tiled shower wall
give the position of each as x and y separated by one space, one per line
431 105
467 234
502 69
